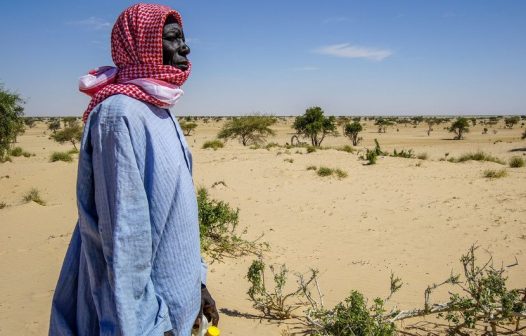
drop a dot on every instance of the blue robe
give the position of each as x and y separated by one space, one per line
133 266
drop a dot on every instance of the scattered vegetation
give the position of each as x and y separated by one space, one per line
3 205
274 303
493 174
19 151
479 297
214 144
404 154
11 120
289 160
311 149
346 148
251 129
382 124
325 171
352 131
218 230
61 156
372 155
33 195
71 133
516 162
459 127
477 156
315 126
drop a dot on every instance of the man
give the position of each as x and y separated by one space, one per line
133 266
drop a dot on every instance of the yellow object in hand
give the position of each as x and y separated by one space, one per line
213 331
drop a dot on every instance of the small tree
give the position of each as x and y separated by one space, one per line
459 127
54 125
352 131
511 121
187 127
249 129
71 133
430 122
69 121
11 121
314 125
382 124
29 122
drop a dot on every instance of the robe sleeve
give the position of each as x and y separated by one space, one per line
124 220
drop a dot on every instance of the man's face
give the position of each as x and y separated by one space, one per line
175 49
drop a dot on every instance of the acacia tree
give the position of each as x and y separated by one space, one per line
459 127
314 125
11 120
352 131
187 127
71 133
250 129
511 121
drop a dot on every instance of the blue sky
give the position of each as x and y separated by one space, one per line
279 57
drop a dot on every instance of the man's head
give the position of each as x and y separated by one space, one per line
175 48
147 37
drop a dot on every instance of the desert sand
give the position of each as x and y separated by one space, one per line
408 216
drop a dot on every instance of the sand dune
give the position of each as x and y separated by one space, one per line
409 216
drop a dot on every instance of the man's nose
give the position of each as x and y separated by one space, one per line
184 49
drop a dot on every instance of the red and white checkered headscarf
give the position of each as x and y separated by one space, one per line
137 51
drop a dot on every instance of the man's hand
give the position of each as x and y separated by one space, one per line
208 308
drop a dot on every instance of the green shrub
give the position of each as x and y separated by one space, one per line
422 156
214 144
352 317
289 160
492 173
516 162
271 145
311 149
26 154
217 227
477 156
312 168
16 151
34 196
371 157
325 171
340 173
404 154
346 148
73 151
61 156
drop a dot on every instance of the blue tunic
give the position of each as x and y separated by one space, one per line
133 266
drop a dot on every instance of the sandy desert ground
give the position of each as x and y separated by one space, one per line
409 216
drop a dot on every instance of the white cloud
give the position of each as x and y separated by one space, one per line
93 23
346 50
